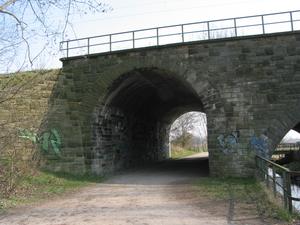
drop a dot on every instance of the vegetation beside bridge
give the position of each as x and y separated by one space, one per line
42 185
245 192
24 99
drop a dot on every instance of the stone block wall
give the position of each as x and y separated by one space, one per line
24 101
248 87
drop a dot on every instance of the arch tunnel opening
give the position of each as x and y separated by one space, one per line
188 136
133 125
287 152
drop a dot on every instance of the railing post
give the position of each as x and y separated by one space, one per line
182 33
274 181
208 31
258 163
157 37
110 47
258 167
284 182
235 29
291 18
88 46
133 45
267 173
289 192
263 24
67 49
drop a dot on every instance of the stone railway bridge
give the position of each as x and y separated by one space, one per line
114 110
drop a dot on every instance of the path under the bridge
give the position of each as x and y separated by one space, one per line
163 194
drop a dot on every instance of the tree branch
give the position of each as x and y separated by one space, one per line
6 4
12 15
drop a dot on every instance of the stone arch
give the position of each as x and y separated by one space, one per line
247 86
132 125
279 125
290 120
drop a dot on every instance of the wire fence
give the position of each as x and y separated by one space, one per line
281 181
183 33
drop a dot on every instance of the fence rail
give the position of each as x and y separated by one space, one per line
205 30
288 147
278 179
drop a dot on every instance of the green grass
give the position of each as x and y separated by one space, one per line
45 185
178 152
220 187
244 190
16 79
182 153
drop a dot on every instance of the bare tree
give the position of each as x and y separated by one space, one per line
16 156
31 27
201 129
187 126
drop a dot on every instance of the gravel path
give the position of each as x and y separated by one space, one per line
159 195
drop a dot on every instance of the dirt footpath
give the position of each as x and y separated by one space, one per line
160 195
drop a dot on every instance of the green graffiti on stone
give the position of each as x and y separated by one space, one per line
26 134
51 141
48 141
55 141
45 141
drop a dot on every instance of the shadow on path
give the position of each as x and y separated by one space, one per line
180 171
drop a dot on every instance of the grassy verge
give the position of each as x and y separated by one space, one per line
245 191
43 185
178 152
182 153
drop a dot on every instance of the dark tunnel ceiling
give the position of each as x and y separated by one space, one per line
297 128
152 93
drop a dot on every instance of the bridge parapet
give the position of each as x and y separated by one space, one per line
183 33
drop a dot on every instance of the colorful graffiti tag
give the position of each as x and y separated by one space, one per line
49 141
260 145
227 142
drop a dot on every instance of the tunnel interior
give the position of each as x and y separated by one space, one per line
133 123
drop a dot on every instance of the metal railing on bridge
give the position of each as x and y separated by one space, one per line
280 180
183 33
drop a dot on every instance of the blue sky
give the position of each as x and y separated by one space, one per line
292 137
136 14
131 15
140 14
